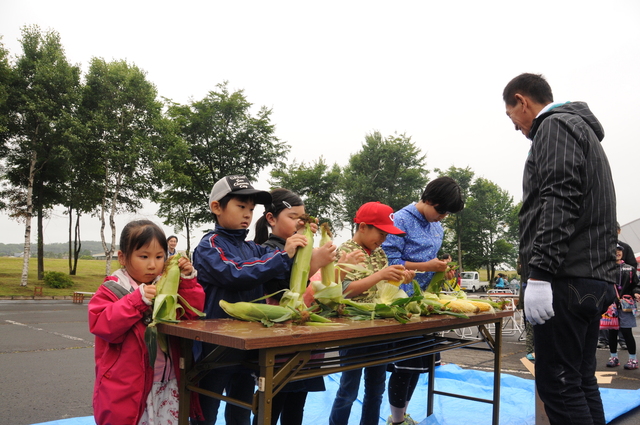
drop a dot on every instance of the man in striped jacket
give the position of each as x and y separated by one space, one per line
567 244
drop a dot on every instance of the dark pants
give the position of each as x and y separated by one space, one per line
566 352
236 382
289 407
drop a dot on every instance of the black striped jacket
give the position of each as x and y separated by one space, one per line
568 215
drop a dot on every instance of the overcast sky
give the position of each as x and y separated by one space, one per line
334 71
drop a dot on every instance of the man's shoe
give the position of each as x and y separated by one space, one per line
623 346
631 364
613 362
602 344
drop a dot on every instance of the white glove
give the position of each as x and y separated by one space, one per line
538 301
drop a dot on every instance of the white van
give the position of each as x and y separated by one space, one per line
470 281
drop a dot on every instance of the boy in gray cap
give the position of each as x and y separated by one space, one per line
233 269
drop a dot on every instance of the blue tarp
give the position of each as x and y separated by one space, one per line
516 401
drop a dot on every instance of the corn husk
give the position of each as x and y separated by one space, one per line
166 307
299 272
257 312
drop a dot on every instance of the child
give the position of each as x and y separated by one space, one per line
374 222
128 390
627 285
283 217
418 251
233 269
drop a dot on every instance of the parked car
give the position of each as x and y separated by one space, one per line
470 281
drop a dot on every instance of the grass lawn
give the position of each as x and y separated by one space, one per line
90 275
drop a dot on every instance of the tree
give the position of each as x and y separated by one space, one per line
6 75
42 98
218 136
488 238
79 194
390 170
455 222
125 123
316 184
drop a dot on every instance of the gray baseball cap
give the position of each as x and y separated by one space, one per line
237 185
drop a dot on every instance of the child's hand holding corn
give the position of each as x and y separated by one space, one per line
293 243
186 268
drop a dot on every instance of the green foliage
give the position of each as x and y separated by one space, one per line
57 280
217 136
125 126
489 239
6 76
455 223
390 170
89 277
316 184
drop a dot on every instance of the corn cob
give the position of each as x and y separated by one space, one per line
496 305
482 306
300 269
461 306
255 312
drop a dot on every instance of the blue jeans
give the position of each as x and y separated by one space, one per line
374 383
566 352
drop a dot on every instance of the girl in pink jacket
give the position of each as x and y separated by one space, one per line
128 390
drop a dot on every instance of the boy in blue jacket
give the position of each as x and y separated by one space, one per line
233 269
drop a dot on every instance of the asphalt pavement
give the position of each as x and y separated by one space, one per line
46 362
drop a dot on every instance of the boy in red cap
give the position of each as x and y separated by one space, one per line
375 222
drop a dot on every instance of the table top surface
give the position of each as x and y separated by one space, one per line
254 335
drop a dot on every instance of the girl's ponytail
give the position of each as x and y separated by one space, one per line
280 199
262 229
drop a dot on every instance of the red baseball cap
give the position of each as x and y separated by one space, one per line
378 215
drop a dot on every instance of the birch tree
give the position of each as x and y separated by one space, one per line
41 100
124 118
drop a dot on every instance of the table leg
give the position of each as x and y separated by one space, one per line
497 367
184 404
265 387
431 380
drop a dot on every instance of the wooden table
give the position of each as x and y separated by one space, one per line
283 353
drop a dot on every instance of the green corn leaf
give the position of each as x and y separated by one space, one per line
151 339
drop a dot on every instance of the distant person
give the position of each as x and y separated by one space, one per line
629 254
627 284
567 245
172 242
418 251
128 390
630 259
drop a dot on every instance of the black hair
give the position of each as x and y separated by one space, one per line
225 200
445 193
172 237
533 86
139 233
280 199
444 255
